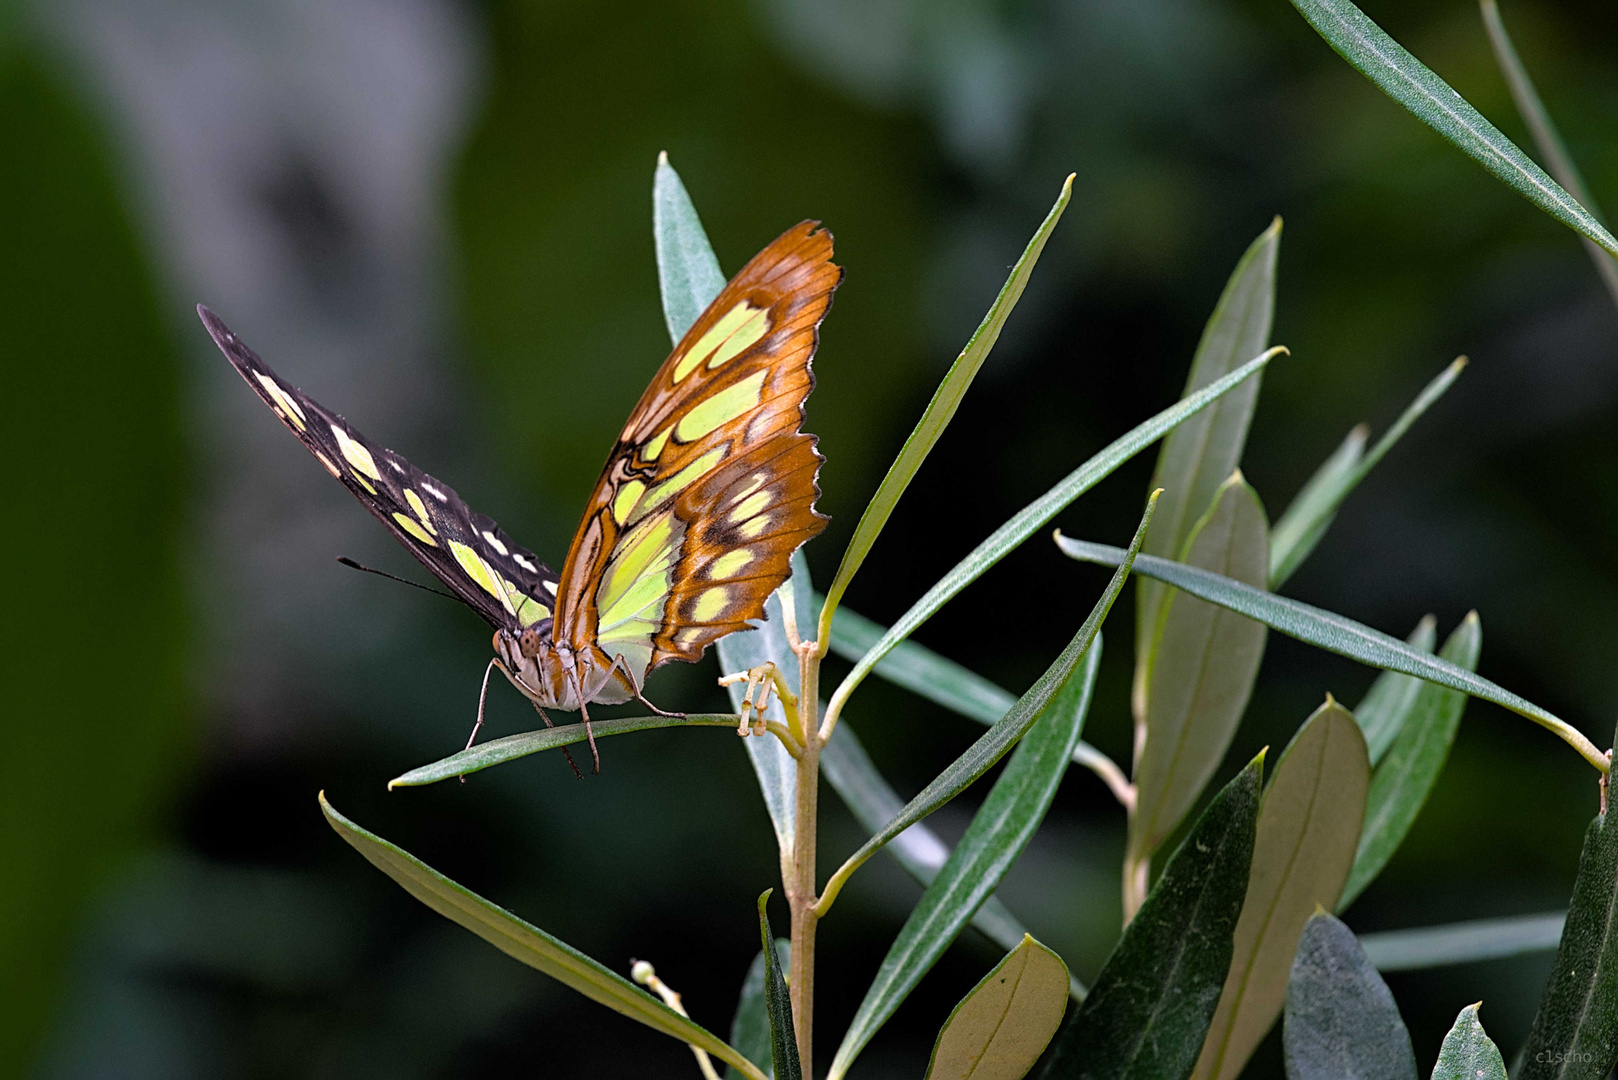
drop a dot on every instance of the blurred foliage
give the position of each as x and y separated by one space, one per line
928 138
93 656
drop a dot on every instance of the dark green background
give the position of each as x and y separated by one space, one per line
1189 123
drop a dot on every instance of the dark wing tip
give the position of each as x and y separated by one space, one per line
216 328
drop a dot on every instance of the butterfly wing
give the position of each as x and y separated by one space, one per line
465 550
711 487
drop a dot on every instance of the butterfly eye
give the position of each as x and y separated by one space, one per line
530 642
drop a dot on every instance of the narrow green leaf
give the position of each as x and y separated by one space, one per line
1305 521
498 751
1386 706
1463 942
1341 1020
1551 147
750 1029
1575 1032
1033 517
873 802
1310 514
1149 1011
688 273
1468 1053
1005 733
1405 778
1331 632
530 944
997 835
1203 661
1308 828
1430 99
939 412
1001 1027
938 679
1197 457
777 1003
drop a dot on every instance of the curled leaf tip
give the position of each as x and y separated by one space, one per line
1275 226
662 157
764 898
1330 701
1460 362
1472 616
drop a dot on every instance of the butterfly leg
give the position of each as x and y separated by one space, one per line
620 666
584 712
483 696
543 715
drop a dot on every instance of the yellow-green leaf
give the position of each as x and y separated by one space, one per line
530 944
1198 456
999 1030
1308 831
1204 660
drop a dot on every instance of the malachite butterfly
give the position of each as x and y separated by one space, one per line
709 490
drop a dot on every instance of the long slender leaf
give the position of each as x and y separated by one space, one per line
1341 1020
1308 828
750 1029
1575 1032
1463 942
1331 632
1203 661
1005 733
689 277
1001 1027
939 412
1386 706
1196 458
938 679
688 274
1431 100
1558 162
1305 521
510 748
1406 776
1149 1011
777 1003
1033 517
1468 1053
997 835
873 802
530 944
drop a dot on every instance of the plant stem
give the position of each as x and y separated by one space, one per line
799 878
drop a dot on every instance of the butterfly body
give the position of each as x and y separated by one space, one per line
706 494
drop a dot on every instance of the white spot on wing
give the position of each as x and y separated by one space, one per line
526 565
494 542
435 493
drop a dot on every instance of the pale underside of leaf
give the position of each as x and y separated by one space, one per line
1000 1028
1204 661
1308 829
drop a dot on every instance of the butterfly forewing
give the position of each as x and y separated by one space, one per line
466 550
711 486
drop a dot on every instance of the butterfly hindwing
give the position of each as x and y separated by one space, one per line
467 551
711 486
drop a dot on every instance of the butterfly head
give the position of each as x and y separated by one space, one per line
532 661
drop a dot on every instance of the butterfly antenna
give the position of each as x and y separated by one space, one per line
346 561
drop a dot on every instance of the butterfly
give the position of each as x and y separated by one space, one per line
707 493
